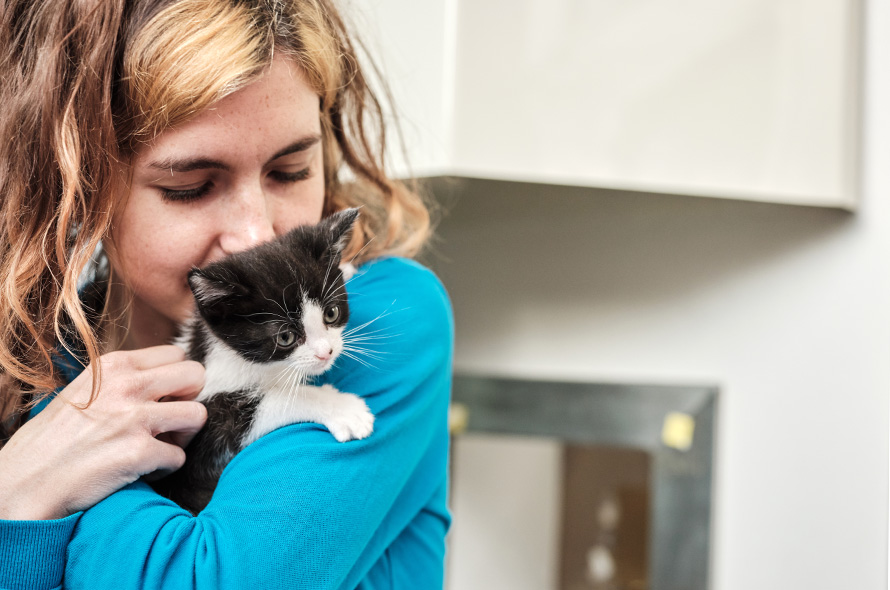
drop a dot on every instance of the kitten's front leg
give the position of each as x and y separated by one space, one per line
345 415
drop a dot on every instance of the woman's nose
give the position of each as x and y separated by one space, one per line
250 222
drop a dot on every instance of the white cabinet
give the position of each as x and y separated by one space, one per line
749 99
413 44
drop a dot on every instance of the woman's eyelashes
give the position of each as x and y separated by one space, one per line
185 195
286 177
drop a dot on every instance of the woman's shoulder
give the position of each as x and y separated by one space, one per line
397 270
402 281
400 325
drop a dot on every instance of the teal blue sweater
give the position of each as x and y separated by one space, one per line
295 509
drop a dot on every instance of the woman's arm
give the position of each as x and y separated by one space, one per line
296 509
66 459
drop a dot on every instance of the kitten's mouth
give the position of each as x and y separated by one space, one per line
322 365
317 366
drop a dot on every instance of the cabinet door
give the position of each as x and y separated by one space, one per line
750 99
412 44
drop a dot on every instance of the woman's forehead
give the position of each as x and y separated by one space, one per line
275 115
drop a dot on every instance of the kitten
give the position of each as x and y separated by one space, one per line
267 319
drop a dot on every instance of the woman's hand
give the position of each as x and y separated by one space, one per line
66 459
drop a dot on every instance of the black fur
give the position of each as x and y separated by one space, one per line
197 346
246 300
212 448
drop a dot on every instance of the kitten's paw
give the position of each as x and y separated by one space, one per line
352 419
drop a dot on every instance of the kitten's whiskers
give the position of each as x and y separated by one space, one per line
250 315
356 342
362 249
283 374
284 298
375 335
359 360
338 294
324 283
368 357
283 310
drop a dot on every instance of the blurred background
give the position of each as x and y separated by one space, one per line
671 194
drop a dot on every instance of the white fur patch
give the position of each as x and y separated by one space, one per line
348 269
321 341
345 415
226 370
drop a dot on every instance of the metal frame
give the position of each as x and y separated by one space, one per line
619 415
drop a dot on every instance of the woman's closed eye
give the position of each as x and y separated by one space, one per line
194 193
185 195
284 176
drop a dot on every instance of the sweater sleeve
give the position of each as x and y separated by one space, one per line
32 553
296 509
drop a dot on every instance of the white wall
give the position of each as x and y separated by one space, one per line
412 45
506 497
787 308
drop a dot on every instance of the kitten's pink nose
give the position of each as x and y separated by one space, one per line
324 356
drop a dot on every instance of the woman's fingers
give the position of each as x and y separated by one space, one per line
154 356
152 373
183 418
165 459
182 380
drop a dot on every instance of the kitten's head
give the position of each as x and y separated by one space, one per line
284 300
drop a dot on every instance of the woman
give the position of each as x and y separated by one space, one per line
174 133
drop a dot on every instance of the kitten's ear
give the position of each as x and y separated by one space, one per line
340 225
208 290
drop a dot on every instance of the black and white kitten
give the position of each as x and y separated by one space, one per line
266 319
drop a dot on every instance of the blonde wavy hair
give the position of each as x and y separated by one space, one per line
85 83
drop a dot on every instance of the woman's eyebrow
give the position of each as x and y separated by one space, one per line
189 164
298 146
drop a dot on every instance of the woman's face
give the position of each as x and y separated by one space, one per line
244 171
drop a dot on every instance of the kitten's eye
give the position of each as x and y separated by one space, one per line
331 315
286 339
